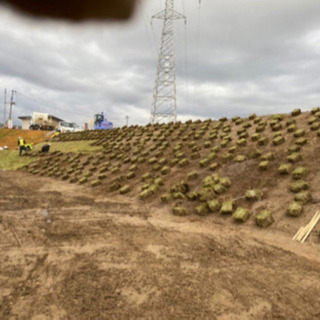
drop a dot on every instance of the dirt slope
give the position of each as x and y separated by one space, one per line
9 137
98 257
227 153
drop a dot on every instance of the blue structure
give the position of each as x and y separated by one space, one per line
100 122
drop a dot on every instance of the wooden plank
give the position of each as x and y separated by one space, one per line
297 233
303 230
312 225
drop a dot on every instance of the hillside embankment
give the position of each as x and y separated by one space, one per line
9 137
173 221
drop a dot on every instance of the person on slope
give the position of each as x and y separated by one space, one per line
21 144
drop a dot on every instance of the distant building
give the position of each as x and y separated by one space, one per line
29 120
26 120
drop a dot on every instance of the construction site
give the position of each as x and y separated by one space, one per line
216 217
213 219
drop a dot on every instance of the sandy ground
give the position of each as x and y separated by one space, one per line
67 252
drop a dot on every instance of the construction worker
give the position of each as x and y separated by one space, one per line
21 144
28 147
55 134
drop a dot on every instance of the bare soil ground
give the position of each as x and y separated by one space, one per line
67 252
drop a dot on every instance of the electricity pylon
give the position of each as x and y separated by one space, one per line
164 95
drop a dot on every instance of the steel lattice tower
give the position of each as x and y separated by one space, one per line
164 95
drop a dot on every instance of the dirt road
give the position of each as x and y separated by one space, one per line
69 253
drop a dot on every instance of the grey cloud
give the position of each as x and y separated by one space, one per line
234 57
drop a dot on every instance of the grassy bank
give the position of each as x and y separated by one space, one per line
10 159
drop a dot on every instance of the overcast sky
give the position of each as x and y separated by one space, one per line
234 57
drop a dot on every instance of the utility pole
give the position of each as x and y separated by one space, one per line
5 108
127 120
164 95
10 113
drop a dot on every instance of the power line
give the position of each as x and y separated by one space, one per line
195 95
